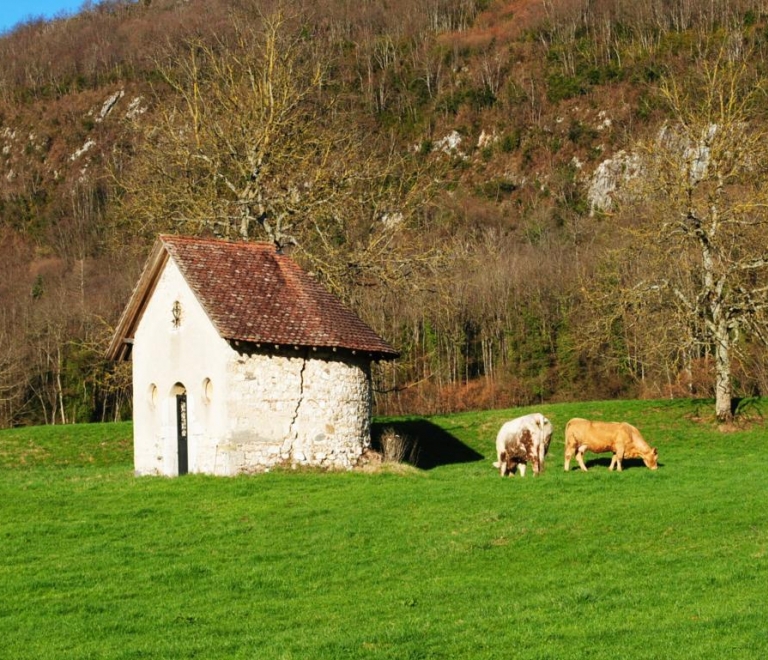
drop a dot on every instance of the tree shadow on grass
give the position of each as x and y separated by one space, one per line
426 445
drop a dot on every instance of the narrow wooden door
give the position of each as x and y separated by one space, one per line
181 433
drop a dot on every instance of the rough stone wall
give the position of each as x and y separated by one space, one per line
297 409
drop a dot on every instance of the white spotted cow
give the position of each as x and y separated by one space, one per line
522 440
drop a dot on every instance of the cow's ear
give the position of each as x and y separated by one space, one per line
655 451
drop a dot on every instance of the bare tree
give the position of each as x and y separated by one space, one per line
12 376
702 211
244 144
259 143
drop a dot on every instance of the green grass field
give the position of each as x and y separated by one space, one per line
446 561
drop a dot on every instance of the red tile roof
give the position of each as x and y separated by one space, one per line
253 294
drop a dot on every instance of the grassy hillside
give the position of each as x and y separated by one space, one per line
449 561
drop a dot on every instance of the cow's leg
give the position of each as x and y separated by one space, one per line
521 469
503 463
580 457
616 460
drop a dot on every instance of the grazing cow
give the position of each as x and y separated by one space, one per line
624 440
522 440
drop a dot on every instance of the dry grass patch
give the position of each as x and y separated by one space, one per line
391 452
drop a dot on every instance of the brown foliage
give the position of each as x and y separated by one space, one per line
493 291
480 394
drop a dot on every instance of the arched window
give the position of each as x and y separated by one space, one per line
152 395
207 390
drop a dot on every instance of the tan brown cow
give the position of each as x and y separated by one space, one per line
624 440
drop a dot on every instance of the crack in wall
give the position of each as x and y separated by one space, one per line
292 434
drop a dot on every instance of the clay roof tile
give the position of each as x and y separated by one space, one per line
252 293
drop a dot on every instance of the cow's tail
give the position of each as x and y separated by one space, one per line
570 445
568 432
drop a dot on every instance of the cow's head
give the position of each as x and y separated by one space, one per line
651 459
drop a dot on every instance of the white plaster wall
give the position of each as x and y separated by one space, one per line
163 356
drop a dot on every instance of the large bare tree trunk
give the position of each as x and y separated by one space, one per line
723 387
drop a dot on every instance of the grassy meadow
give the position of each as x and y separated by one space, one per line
445 560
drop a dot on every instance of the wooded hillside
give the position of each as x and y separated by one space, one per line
532 200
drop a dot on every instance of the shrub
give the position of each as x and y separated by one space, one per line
560 87
511 141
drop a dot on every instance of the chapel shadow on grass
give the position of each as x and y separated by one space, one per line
426 445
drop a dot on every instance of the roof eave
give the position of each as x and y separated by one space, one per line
371 354
122 340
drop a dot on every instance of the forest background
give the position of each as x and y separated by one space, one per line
531 200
